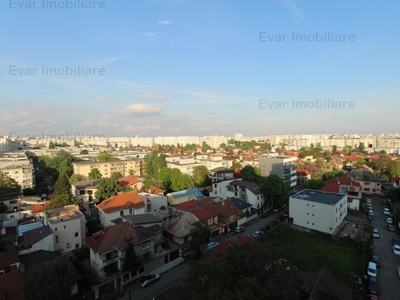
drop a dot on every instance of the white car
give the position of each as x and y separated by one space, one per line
375 234
239 229
212 245
389 220
386 211
372 269
396 250
257 234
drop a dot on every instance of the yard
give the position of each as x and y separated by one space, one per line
312 251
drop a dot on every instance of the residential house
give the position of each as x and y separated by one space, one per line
155 190
346 186
183 196
11 279
154 202
114 208
68 226
228 214
41 238
303 175
322 285
131 182
180 231
37 260
318 210
12 201
371 184
283 166
84 191
145 220
221 174
247 191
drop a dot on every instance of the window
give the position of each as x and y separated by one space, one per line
65 226
308 204
313 215
56 238
312 223
121 213
76 246
68 245
307 222
307 214
367 190
82 192
13 201
55 229
313 205
366 183
76 234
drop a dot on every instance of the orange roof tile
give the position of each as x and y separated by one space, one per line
128 181
121 201
37 208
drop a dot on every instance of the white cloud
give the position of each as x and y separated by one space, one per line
140 127
141 109
163 22
149 95
150 34
205 128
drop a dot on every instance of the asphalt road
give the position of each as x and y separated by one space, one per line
389 287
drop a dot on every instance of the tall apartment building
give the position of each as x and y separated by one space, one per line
21 171
106 168
283 166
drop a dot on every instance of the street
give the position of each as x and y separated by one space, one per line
388 278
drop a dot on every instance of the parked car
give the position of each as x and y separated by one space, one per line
239 229
286 215
396 250
264 228
389 220
370 217
149 279
278 208
396 241
290 219
280 218
391 227
212 245
373 297
398 271
272 223
371 212
372 269
376 260
386 211
373 286
383 201
257 234
369 201
375 234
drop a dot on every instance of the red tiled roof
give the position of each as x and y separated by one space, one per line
116 236
331 188
121 201
39 207
155 190
128 181
343 181
303 172
187 206
203 214
225 208
13 285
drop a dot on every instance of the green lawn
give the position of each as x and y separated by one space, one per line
312 251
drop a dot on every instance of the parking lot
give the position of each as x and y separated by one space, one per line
389 287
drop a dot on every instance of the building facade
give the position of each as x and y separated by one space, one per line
283 166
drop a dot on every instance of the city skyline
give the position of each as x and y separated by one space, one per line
155 68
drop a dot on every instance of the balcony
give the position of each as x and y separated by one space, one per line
110 261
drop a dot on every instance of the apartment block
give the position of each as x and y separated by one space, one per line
283 166
134 166
21 171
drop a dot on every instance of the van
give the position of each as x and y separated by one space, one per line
372 269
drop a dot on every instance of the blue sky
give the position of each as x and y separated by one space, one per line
199 67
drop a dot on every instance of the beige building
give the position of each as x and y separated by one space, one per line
21 171
106 168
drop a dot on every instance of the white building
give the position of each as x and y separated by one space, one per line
68 225
153 202
22 171
283 166
318 210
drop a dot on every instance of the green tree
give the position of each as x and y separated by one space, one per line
106 188
8 184
61 201
54 277
62 185
84 151
236 165
252 174
116 175
276 191
241 273
59 163
314 184
132 261
205 147
201 233
200 176
94 174
75 178
382 152
154 163
51 145
328 158
105 156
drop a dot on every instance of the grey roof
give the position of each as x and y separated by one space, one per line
181 226
222 170
33 236
38 257
318 196
145 233
240 203
142 219
253 187
363 175
83 184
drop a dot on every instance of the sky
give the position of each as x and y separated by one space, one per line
183 67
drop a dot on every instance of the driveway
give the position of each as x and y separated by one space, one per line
389 287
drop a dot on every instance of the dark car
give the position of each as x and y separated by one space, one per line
383 201
373 286
280 218
376 260
264 228
396 241
272 223
149 279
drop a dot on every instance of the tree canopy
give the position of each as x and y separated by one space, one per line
153 163
116 175
106 188
106 156
94 174
173 180
8 184
276 191
252 174
55 165
84 151
200 176
245 271
314 184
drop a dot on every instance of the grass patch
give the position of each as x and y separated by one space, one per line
312 251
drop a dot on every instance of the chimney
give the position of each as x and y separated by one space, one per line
223 203
46 219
